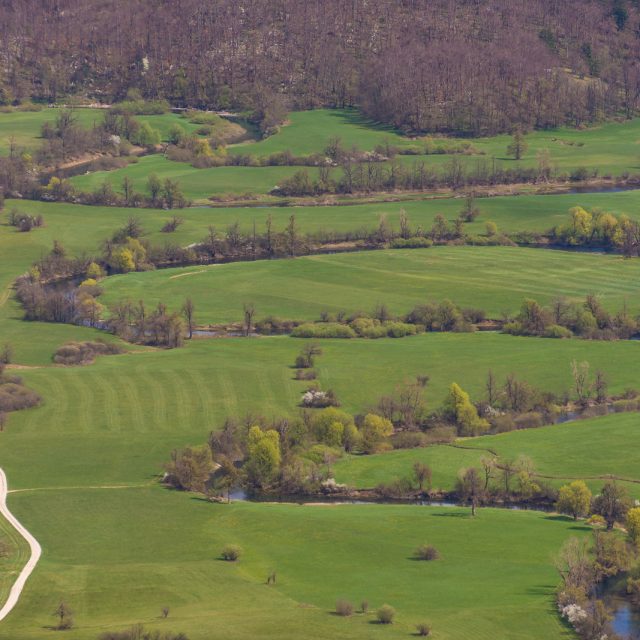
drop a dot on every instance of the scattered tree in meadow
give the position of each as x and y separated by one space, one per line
249 312
64 615
518 146
188 311
190 468
574 499
470 488
422 474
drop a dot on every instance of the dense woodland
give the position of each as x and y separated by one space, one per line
469 66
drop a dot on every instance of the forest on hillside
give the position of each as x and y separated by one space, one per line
465 66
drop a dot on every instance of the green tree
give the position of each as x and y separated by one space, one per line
633 525
145 136
263 460
190 468
461 410
612 503
375 429
574 499
330 426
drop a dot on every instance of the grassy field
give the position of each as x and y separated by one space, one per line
116 421
611 147
196 184
496 279
25 126
562 452
83 227
114 556
85 465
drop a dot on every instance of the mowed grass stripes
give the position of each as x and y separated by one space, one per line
496 279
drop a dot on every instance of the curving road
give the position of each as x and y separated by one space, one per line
36 551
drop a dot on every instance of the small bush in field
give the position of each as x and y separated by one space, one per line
427 552
386 614
364 606
423 630
231 553
344 608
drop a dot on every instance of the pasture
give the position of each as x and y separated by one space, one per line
114 556
588 449
25 126
116 421
496 279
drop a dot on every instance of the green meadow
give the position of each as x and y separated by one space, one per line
196 184
85 465
25 126
83 228
117 420
119 555
496 279
589 449
612 147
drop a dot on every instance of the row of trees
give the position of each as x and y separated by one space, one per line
463 67
369 175
563 319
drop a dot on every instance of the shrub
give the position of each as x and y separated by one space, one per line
323 454
620 406
398 488
411 243
399 329
14 397
306 374
364 606
231 552
423 629
386 614
323 330
556 331
409 440
427 552
369 328
529 420
344 608
80 353
502 424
